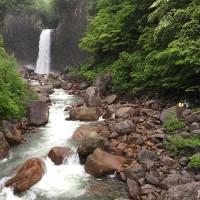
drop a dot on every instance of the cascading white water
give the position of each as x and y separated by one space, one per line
43 60
68 181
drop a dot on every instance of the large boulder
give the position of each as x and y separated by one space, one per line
133 188
66 85
111 99
27 175
83 132
38 113
102 82
4 147
101 163
135 173
110 111
84 114
44 98
57 154
47 89
126 112
173 111
92 97
12 135
189 116
166 112
144 155
54 80
189 191
125 127
88 145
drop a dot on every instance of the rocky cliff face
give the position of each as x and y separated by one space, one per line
21 32
65 38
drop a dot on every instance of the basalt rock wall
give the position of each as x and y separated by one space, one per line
65 38
21 32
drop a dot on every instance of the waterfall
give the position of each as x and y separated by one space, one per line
43 60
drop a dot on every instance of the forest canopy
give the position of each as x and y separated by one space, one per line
146 45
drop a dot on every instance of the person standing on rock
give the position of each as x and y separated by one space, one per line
180 104
187 105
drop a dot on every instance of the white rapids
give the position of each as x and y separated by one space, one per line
68 181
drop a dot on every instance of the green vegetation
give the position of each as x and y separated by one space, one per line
180 145
195 162
146 45
172 123
14 93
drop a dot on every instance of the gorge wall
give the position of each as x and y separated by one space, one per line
21 32
65 38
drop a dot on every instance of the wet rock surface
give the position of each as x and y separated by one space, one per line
58 154
130 142
27 175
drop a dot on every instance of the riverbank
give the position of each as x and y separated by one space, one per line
130 131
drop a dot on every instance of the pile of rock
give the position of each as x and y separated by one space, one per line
129 141
133 140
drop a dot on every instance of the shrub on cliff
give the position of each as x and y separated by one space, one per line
13 90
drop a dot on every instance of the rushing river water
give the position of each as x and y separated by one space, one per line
68 181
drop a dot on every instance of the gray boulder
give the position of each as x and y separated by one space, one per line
12 135
126 112
102 82
189 191
89 144
135 173
194 126
84 114
125 127
38 113
92 97
145 155
48 89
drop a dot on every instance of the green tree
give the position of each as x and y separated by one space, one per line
154 45
13 90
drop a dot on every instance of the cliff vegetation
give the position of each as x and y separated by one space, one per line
147 45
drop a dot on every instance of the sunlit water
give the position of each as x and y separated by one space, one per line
63 182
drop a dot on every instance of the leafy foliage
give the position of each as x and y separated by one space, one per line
180 145
195 161
172 123
13 91
108 30
155 44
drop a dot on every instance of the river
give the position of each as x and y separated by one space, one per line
68 181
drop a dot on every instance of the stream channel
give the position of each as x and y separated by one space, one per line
68 181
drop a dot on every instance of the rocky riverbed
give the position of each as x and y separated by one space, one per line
128 140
